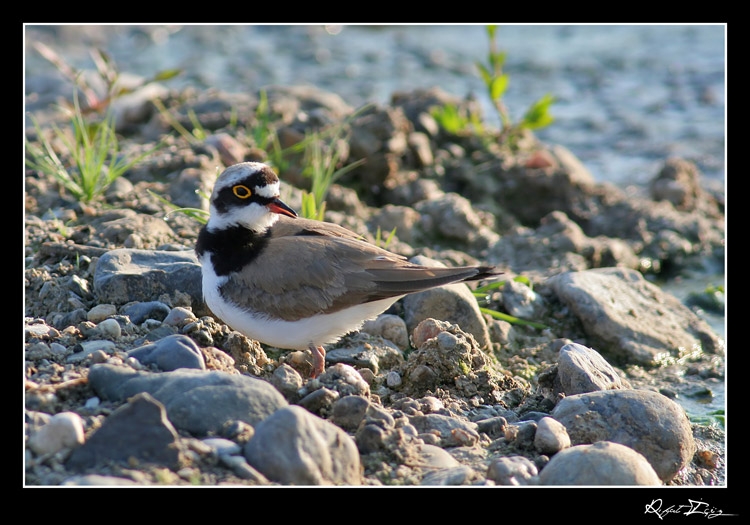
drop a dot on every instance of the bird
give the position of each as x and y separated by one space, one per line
294 283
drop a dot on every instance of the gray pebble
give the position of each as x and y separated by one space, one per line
364 350
139 429
63 430
110 329
603 463
430 404
73 318
242 469
348 411
393 379
197 401
152 324
100 312
494 427
100 357
170 353
581 369
460 475
84 349
650 423
345 380
533 415
371 437
521 434
391 327
452 216
38 351
295 447
126 275
57 349
223 447
139 312
453 432
319 402
604 299
375 430
512 470
383 417
431 456
178 316
430 438
40 331
551 436
287 381
368 375
519 300
408 406
79 286
237 430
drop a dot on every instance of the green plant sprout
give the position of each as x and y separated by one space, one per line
196 136
496 82
93 150
379 242
321 162
264 134
455 122
91 160
196 213
481 293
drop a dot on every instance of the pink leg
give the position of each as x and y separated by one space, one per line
319 360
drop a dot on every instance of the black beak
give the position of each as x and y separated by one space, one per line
278 206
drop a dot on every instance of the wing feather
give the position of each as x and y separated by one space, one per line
309 269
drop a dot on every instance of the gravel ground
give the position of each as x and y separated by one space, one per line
483 401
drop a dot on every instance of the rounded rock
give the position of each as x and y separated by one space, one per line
391 327
603 463
100 312
551 436
294 447
648 422
110 329
348 411
64 430
512 470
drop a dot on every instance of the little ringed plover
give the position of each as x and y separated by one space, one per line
294 283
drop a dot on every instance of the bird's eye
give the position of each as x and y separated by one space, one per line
242 192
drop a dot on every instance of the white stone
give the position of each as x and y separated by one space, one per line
64 430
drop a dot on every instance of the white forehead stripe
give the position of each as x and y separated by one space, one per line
270 190
234 174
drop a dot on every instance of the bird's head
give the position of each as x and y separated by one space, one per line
247 194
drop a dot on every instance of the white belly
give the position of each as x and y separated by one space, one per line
293 335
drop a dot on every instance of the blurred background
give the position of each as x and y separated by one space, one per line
627 96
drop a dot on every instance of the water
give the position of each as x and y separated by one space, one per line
628 96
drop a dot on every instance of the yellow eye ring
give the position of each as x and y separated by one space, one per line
241 192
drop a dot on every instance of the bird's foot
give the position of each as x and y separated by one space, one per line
319 360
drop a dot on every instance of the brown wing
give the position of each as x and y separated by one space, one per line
309 267
287 226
